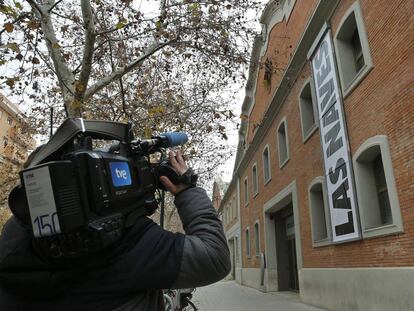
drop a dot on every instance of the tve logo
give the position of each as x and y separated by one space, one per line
120 174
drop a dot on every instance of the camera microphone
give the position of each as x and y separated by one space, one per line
168 139
172 139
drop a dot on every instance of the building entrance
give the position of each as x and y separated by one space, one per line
287 267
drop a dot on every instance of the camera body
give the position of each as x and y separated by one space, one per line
76 199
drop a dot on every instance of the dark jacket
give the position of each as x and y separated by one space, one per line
128 276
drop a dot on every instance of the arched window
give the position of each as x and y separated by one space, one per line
283 144
255 180
352 50
377 194
320 222
246 192
307 110
266 165
247 242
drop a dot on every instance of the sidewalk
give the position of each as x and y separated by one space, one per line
228 295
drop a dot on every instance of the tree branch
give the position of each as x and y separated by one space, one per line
121 72
89 25
54 5
36 7
63 73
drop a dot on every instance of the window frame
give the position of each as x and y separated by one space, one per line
248 246
396 226
283 122
246 192
255 180
328 240
257 238
348 86
231 209
306 135
266 181
234 206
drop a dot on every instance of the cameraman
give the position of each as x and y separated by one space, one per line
127 276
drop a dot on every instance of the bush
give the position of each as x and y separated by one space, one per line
5 214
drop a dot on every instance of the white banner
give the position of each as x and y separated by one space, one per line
337 160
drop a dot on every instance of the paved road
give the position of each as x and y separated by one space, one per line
230 296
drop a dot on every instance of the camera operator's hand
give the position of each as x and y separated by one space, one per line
178 163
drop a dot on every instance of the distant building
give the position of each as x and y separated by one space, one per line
323 181
219 188
14 144
229 214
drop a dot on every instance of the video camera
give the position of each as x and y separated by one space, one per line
77 199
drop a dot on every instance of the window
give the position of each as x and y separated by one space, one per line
282 139
307 110
246 192
231 210
227 215
9 120
377 195
352 50
256 238
234 207
255 182
266 165
1 114
320 222
5 141
247 242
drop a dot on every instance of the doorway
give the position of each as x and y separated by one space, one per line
287 266
283 240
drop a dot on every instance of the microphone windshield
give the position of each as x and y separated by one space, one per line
174 139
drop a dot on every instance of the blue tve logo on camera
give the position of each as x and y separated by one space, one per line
120 174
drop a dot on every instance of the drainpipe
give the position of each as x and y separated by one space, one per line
262 270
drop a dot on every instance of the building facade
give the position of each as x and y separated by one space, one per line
14 144
323 177
229 215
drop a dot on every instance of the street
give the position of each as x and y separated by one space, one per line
228 295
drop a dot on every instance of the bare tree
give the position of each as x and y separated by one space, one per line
170 68
87 45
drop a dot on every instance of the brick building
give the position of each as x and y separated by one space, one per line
229 215
323 181
219 188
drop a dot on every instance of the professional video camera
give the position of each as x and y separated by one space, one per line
76 199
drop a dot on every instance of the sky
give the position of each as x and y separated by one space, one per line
151 7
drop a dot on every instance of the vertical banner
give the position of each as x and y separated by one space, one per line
336 156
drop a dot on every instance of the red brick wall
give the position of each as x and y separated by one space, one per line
283 39
381 104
